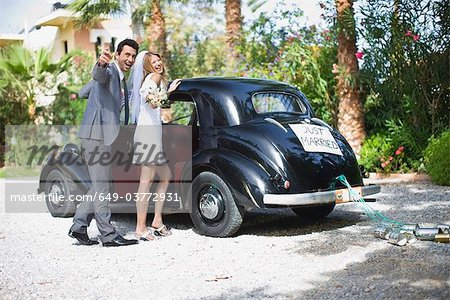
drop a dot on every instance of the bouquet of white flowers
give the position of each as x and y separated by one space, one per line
158 97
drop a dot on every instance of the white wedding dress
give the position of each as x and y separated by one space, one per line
148 134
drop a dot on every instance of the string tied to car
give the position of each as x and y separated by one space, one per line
396 232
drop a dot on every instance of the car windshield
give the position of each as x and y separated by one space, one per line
277 102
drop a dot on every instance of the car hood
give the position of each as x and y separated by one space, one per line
282 141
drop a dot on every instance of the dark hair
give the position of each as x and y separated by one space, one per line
128 42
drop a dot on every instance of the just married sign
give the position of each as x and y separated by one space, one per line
316 138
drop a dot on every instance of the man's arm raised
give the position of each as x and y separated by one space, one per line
101 73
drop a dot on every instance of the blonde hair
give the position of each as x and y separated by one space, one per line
148 67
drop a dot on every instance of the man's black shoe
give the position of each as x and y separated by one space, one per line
119 241
83 238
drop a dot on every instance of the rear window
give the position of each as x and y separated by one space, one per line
277 102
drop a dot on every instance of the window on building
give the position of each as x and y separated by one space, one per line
98 47
112 47
66 47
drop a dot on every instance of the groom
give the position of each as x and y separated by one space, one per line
100 127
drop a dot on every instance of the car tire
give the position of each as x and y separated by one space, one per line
314 212
213 211
58 206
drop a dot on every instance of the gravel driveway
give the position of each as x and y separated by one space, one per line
274 255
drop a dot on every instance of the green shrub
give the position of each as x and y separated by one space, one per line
295 54
68 109
392 151
437 159
373 150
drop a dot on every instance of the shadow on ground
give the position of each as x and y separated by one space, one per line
238 294
270 222
409 203
391 273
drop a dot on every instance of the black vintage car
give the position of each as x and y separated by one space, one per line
255 144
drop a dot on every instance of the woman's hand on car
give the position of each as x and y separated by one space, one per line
174 85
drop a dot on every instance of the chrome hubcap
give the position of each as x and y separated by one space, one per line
55 192
211 203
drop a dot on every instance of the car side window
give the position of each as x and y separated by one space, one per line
183 109
182 112
277 102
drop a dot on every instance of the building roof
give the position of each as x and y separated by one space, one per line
57 18
9 38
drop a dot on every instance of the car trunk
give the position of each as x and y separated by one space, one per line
309 170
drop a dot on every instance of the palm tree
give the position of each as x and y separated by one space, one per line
138 12
26 74
91 12
233 26
350 112
156 29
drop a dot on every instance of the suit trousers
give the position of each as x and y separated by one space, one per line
95 204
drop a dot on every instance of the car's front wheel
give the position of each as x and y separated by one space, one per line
314 212
214 212
57 195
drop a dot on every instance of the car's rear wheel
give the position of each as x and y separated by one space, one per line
314 212
57 195
214 212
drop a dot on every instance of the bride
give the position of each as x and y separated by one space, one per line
149 77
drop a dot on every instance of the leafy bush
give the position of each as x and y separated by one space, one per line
437 159
373 150
384 152
405 69
19 139
68 109
413 140
30 78
400 133
193 50
299 55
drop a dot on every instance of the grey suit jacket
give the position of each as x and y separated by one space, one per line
86 89
101 117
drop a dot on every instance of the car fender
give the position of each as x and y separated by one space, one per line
73 168
247 180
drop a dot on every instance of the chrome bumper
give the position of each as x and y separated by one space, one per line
338 196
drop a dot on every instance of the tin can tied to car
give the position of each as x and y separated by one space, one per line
410 233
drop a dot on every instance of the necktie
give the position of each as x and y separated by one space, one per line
127 106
